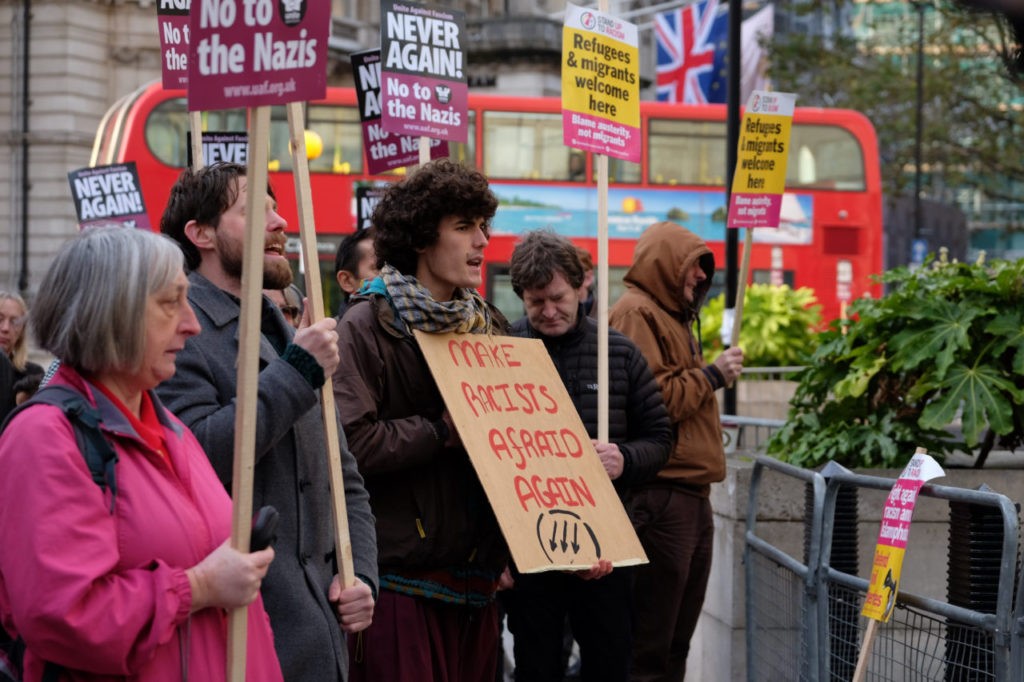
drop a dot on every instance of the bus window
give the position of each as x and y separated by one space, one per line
279 157
465 152
342 134
686 152
165 132
500 293
765 277
524 146
167 129
825 157
623 171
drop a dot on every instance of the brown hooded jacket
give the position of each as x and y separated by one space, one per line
655 315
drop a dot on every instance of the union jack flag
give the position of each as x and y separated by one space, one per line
691 51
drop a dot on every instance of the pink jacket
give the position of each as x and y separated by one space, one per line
105 595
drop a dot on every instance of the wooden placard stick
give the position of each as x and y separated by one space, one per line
424 149
248 368
741 289
601 160
195 124
315 301
865 650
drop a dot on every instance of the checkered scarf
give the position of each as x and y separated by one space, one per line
465 313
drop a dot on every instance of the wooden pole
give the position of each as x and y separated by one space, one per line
195 124
315 301
248 369
741 284
865 650
601 161
424 149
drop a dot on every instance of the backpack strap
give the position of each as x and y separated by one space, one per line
100 456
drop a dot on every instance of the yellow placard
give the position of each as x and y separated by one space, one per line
762 154
884 583
600 77
552 497
600 84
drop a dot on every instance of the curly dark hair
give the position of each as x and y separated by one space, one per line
202 195
538 256
409 214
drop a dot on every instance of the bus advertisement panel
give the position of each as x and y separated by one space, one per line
831 211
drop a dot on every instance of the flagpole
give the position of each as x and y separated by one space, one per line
732 127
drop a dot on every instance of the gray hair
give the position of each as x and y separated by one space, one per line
91 308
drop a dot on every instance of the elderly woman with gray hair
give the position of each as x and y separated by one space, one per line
129 581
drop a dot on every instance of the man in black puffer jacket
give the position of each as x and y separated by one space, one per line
547 274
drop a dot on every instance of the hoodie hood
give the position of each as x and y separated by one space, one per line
665 252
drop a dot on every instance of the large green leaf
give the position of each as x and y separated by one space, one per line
856 382
1011 327
940 340
987 399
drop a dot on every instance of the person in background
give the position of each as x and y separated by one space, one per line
586 291
289 302
441 551
309 608
26 387
354 264
131 582
14 345
665 287
547 274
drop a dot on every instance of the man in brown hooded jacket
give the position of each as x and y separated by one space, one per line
665 287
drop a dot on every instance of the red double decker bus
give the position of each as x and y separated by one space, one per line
831 218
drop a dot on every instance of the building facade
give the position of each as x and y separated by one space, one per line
65 62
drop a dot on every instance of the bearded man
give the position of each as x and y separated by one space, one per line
309 609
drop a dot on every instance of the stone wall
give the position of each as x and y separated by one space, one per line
83 56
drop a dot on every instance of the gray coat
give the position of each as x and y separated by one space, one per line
290 473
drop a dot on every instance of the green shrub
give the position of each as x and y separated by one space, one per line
779 327
946 346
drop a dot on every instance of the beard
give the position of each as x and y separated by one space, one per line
276 273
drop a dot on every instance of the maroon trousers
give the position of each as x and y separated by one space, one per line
413 639
676 530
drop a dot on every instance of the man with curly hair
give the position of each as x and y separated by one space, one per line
441 552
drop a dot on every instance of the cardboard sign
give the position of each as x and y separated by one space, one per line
108 194
600 84
247 53
221 147
550 493
760 178
172 24
893 534
384 150
423 77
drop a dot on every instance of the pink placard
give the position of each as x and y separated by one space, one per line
754 210
257 52
172 24
424 90
384 150
601 136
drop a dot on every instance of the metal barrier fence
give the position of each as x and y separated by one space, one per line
804 594
753 432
